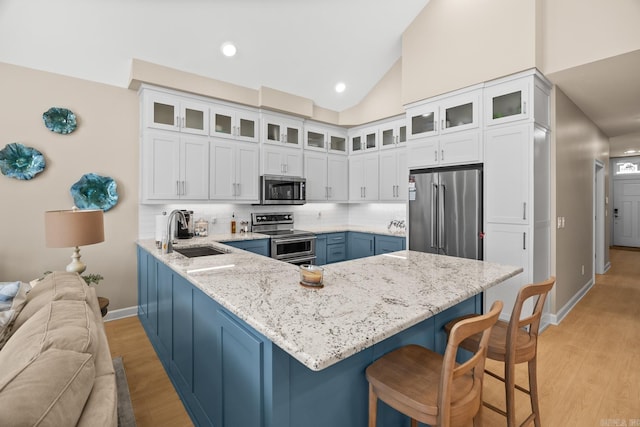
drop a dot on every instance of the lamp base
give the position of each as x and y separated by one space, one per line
76 266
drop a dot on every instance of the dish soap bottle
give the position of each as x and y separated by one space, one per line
233 223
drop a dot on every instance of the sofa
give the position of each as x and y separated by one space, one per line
55 363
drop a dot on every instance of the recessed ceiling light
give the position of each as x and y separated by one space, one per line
228 49
340 87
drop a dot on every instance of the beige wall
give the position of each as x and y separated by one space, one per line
578 143
383 101
575 32
105 143
457 43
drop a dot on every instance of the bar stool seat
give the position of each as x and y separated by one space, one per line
514 342
429 387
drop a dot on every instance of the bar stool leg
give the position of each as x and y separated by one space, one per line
414 423
533 390
373 407
509 389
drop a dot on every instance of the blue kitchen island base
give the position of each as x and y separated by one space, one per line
227 374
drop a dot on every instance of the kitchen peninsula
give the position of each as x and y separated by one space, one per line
245 344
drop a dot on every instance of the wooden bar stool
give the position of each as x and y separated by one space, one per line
432 388
512 343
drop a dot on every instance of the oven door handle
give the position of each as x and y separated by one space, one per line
307 259
296 240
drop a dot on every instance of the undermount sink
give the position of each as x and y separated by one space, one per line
196 251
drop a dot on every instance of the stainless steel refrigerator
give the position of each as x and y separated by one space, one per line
445 211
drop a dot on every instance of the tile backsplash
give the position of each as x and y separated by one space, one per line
376 215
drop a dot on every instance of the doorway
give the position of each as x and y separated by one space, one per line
626 212
599 220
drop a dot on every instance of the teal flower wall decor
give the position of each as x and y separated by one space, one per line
20 162
95 192
59 120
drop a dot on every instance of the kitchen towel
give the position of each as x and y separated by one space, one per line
161 227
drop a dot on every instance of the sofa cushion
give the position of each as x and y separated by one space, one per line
50 390
55 286
101 408
13 298
104 364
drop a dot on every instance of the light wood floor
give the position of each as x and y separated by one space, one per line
588 366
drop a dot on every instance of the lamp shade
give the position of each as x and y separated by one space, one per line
70 228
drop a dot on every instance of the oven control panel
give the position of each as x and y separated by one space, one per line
271 218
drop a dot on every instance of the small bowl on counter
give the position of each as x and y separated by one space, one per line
311 276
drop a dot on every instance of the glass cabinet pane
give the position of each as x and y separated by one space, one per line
222 124
507 105
163 114
459 115
193 119
247 128
423 123
402 137
292 136
387 137
356 143
338 143
273 132
370 139
315 139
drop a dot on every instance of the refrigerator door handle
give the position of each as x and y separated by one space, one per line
434 204
443 203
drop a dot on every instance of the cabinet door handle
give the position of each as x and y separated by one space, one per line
177 188
238 192
330 192
524 107
524 210
442 154
183 123
184 187
442 126
524 241
435 155
435 126
371 245
178 122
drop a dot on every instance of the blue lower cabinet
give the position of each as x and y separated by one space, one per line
321 249
228 374
259 246
359 245
385 244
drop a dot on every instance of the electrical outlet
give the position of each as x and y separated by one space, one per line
213 220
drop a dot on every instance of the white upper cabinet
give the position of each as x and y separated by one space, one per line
442 115
393 175
175 113
363 139
327 177
319 137
234 171
524 96
393 134
281 130
446 150
281 161
363 178
174 167
235 123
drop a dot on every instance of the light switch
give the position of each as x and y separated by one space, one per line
559 222
562 222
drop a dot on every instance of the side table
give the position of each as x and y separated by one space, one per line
103 303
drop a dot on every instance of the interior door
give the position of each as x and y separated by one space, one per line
626 213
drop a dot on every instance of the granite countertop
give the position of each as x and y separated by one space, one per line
362 302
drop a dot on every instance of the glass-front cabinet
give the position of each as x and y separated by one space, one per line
168 112
363 139
282 130
235 123
338 143
393 134
507 102
444 115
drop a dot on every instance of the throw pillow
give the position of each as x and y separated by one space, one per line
13 296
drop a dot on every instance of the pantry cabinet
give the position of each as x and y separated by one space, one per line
175 113
235 123
281 130
363 178
234 172
174 167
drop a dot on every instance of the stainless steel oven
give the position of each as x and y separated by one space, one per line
287 244
282 190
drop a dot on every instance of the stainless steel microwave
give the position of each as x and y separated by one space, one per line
282 190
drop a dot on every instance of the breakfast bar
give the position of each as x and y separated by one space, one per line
245 344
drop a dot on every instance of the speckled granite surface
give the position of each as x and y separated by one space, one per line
362 302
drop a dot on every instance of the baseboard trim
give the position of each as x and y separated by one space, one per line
121 313
607 266
555 319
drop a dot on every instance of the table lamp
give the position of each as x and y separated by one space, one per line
65 229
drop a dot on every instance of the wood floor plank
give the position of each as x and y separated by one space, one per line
588 366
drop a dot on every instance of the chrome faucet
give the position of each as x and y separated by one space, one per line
183 221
